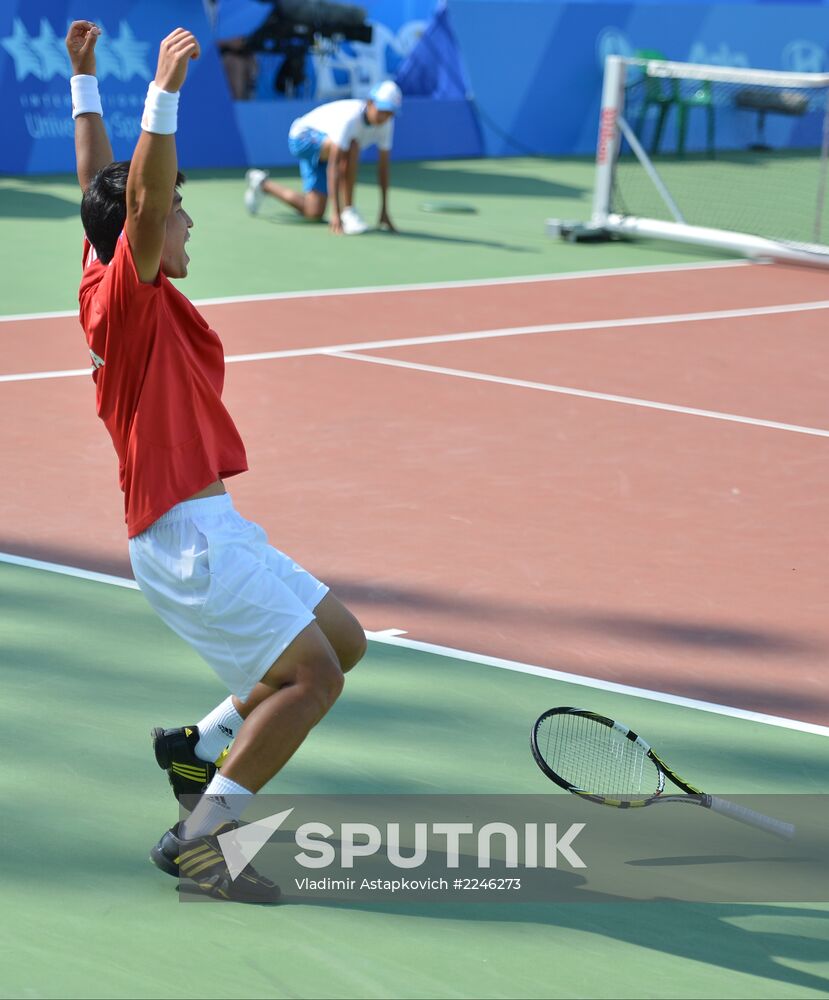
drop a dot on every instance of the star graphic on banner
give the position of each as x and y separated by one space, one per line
106 58
131 53
54 60
18 46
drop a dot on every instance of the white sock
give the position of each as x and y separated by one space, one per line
217 729
223 800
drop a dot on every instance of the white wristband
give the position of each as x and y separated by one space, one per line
85 97
160 111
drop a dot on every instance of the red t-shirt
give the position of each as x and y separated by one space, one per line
158 371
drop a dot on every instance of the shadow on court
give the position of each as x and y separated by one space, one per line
629 627
89 669
449 614
71 644
290 219
695 634
759 940
436 238
494 177
24 203
457 180
717 934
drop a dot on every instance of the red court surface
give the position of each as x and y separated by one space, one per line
670 550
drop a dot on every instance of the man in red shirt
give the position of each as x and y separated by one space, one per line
273 633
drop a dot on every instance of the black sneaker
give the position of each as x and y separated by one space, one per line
200 865
189 775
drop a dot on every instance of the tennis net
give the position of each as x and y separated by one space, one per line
725 157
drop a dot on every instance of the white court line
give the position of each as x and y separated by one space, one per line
529 279
594 682
522 331
82 574
507 331
385 636
36 376
584 393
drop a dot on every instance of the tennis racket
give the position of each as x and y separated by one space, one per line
603 761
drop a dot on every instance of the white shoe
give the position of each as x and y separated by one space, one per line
254 193
352 221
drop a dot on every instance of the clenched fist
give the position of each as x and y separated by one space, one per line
80 44
174 56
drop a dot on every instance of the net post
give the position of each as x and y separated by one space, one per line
607 147
821 191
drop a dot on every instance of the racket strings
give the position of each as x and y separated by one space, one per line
597 759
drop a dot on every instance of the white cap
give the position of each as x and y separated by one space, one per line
386 96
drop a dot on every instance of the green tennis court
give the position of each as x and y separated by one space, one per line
85 914
506 237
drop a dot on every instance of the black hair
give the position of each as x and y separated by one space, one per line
104 207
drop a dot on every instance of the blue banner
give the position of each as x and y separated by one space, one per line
535 68
35 106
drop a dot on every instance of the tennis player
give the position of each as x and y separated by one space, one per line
327 142
276 636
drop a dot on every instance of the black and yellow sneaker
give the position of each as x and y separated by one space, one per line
175 752
201 868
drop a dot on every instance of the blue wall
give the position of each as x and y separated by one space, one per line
535 68
213 131
34 91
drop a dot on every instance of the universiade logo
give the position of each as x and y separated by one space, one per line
43 56
321 846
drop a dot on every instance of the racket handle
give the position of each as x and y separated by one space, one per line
749 816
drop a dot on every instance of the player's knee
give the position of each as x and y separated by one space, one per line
314 205
342 630
323 682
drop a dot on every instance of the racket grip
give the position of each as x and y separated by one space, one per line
752 818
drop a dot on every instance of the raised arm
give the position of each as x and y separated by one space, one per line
154 166
92 148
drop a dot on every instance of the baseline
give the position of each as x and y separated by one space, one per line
422 287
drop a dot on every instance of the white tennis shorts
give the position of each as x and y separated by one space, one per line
214 579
